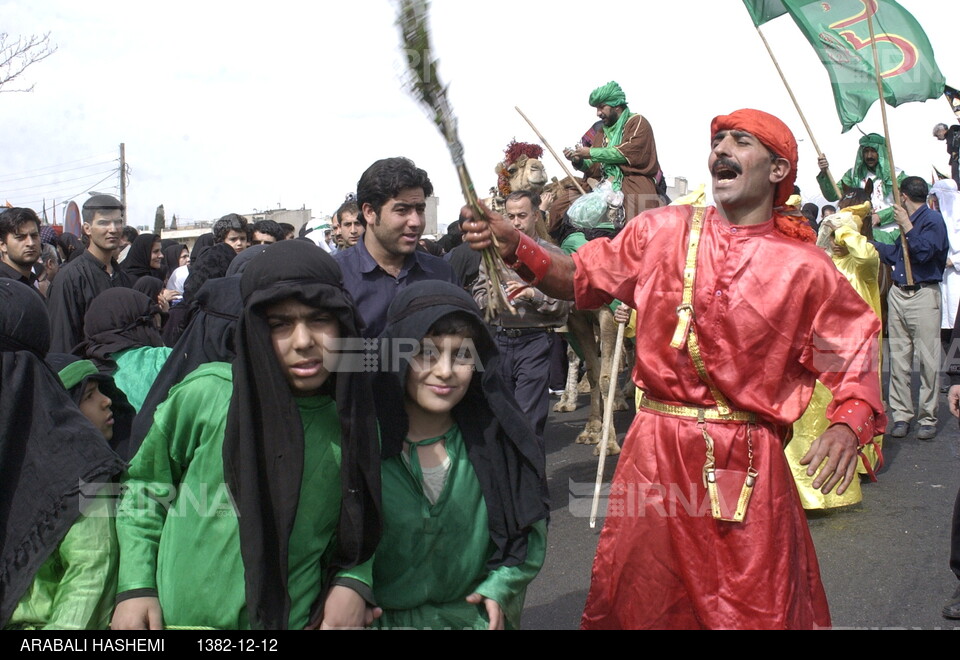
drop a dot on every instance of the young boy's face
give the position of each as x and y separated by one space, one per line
440 375
301 336
95 406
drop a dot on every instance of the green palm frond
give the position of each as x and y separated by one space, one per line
425 86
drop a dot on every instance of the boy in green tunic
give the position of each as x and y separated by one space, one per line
464 493
57 546
254 499
75 586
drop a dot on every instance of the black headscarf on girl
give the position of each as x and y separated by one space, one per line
204 243
137 261
149 286
209 337
212 263
238 265
501 444
262 464
123 412
116 320
47 447
171 259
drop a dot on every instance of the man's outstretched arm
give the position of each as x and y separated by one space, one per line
552 270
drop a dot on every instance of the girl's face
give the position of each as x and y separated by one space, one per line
156 256
440 374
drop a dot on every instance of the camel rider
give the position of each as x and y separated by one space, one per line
625 153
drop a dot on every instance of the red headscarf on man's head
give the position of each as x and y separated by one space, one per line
772 133
778 138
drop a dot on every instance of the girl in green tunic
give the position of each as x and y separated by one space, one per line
253 501
464 493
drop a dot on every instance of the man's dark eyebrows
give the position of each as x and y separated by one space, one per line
400 206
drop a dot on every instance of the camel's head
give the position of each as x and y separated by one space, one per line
521 169
527 174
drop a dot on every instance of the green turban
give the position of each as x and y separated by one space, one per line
874 141
609 94
879 144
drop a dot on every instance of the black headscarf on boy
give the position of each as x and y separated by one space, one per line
204 243
501 444
137 261
116 320
48 449
263 465
209 337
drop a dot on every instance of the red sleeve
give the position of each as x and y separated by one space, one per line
844 352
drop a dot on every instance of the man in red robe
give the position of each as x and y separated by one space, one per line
769 315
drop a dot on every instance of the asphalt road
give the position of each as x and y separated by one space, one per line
883 561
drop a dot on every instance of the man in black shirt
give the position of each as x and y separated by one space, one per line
88 275
19 245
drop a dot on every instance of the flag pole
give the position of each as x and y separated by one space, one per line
886 134
796 104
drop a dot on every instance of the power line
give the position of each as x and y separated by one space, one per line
18 191
39 170
51 174
66 196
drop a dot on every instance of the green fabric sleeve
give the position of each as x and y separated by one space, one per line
607 156
826 189
150 484
573 242
361 573
508 584
75 586
89 554
887 216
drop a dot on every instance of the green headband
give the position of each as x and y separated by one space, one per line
73 374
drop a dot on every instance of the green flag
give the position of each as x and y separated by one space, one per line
762 11
838 30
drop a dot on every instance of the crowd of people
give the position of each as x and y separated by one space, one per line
321 427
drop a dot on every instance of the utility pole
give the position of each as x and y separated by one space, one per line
123 178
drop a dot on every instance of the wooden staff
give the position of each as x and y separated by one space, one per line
796 104
550 149
886 134
607 423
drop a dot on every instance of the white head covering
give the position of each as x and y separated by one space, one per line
949 198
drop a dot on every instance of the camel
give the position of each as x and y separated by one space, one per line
587 327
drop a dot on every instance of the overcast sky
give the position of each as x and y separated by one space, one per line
241 106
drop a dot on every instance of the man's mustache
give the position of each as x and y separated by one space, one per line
726 164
